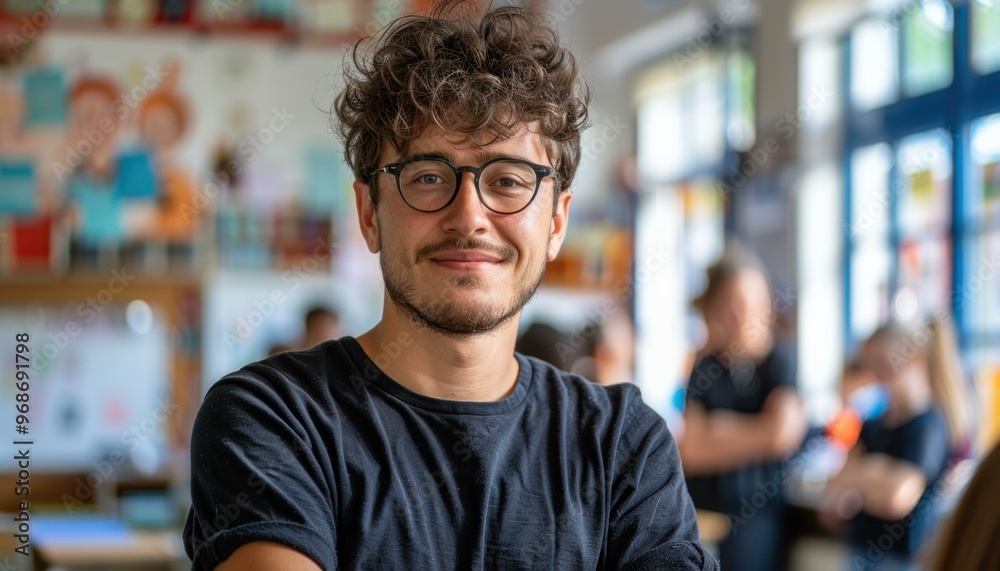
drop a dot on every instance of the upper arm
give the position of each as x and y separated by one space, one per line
891 487
267 556
652 524
787 424
255 477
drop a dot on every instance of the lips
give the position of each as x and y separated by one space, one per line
466 259
467 256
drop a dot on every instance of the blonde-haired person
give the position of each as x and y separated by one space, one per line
968 541
887 487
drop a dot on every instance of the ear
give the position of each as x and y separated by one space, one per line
366 215
560 220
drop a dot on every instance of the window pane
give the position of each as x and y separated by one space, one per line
979 293
928 58
869 287
870 191
740 132
983 198
924 277
986 35
874 67
924 170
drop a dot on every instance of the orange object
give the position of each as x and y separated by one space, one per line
845 428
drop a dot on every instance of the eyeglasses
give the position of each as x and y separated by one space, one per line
431 184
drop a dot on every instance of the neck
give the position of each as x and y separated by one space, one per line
479 368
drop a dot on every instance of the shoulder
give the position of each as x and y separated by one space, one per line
286 384
555 383
779 366
615 410
929 425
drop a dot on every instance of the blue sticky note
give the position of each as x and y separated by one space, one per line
17 187
272 9
99 209
45 95
325 187
82 530
135 176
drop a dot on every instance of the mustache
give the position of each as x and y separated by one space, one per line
503 251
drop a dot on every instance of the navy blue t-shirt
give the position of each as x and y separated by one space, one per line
923 441
321 451
741 388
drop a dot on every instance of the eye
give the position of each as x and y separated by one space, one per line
429 179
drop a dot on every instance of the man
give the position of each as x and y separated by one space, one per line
321 324
427 443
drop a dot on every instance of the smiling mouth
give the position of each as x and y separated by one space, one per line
467 260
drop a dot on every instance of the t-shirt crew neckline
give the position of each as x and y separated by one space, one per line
362 362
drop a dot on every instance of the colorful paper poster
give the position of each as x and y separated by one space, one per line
135 176
17 187
326 187
991 183
275 10
45 97
84 9
922 187
99 210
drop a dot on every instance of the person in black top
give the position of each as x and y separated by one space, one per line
889 484
743 416
427 442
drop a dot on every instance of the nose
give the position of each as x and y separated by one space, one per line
466 215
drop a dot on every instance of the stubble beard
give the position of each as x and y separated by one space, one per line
443 313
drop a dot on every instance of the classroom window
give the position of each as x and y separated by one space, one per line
927 40
869 227
874 71
982 230
985 36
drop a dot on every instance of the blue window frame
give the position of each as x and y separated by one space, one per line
922 165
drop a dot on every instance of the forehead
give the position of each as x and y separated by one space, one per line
465 148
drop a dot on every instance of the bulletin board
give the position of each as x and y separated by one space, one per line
103 379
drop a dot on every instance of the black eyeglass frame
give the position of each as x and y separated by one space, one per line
395 169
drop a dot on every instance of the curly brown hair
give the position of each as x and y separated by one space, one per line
476 75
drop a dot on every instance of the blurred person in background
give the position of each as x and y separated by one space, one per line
600 352
608 353
968 540
743 415
886 487
321 324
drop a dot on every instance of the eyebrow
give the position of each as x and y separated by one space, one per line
483 156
